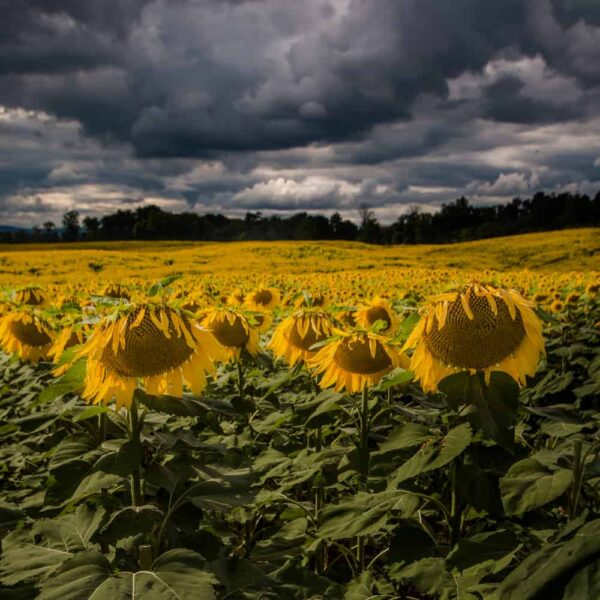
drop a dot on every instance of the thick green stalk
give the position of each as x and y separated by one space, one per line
102 426
134 436
577 480
240 382
364 435
455 508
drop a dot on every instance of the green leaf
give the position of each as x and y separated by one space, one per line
433 455
89 412
71 447
556 565
124 460
529 484
71 382
396 377
364 514
493 406
132 521
176 575
410 543
405 436
428 576
79 578
171 405
31 554
482 547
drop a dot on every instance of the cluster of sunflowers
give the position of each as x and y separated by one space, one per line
164 345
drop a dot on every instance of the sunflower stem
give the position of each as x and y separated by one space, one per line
134 436
577 480
240 381
102 426
364 436
455 508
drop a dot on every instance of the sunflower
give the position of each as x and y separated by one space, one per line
32 296
116 290
259 321
480 328
378 309
310 300
153 344
294 336
236 298
25 334
233 331
263 299
68 337
355 361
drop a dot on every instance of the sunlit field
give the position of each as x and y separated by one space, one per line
301 420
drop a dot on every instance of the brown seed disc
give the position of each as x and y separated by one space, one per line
29 334
147 351
479 343
304 343
232 335
378 313
263 297
354 355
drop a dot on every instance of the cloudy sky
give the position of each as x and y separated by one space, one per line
289 105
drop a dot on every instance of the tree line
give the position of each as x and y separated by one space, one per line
455 221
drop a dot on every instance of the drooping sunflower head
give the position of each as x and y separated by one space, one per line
26 334
592 289
294 336
70 336
31 296
233 331
236 298
356 360
347 318
479 328
260 321
155 345
310 300
263 298
377 311
116 290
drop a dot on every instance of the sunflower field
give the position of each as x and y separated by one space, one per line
301 420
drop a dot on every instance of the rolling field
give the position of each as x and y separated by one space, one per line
301 420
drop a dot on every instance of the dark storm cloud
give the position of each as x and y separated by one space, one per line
285 105
192 78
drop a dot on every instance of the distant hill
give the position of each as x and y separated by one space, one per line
12 229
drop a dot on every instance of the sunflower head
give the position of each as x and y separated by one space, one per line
116 290
152 344
236 298
69 337
356 360
378 311
31 296
294 336
347 318
26 334
233 331
479 328
310 300
260 322
262 299
592 289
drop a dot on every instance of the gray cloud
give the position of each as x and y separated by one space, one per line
284 106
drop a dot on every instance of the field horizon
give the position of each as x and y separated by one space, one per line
565 250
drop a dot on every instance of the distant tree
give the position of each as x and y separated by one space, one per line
49 231
92 225
370 230
71 226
